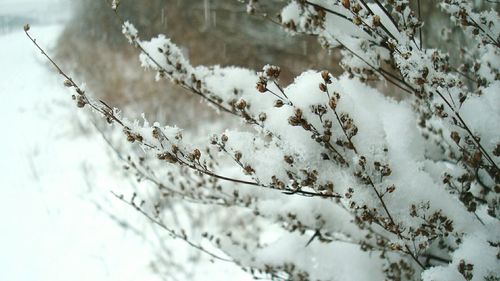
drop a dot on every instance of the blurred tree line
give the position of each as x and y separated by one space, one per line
210 31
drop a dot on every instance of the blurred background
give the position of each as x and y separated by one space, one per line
209 31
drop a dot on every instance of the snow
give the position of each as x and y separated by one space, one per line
51 229
383 175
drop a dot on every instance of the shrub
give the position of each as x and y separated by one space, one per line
329 177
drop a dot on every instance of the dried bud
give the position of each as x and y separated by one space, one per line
248 170
156 132
294 121
391 188
496 151
298 113
385 171
333 103
325 75
476 159
26 27
80 102
224 138
196 154
241 104
455 137
273 71
376 20
261 87
322 87
68 83
138 138
130 138
175 149
395 247
237 155
419 81
425 72
167 157
356 20
356 8
262 117
346 4
288 159
278 103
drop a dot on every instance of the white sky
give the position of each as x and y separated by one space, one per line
28 7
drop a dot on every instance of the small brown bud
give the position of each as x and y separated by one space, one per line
130 138
333 103
288 159
298 113
322 87
26 27
395 247
241 104
168 157
386 171
68 83
294 121
420 81
376 20
196 154
248 170
356 20
224 138
261 87
356 8
80 102
325 75
262 116
496 151
425 72
476 159
455 137
175 149
273 71
278 103
156 132
346 4
237 155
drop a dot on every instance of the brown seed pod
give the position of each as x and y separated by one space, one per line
237 155
346 4
241 104
332 103
261 87
322 87
278 103
325 75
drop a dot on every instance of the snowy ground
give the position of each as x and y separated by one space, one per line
50 228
